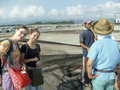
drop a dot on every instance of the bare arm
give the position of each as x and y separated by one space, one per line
84 46
89 69
27 60
40 62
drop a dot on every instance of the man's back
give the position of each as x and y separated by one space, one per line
103 56
106 56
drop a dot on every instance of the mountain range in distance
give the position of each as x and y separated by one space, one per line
33 21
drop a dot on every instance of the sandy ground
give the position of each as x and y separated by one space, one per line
62 59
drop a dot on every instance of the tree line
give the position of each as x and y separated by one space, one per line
62 22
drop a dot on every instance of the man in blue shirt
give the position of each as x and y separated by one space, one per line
103 55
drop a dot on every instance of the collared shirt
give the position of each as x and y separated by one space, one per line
87 38
106 55
102 36
84 28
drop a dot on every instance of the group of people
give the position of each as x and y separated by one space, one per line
16 58
101 54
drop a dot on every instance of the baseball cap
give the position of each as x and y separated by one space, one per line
87 21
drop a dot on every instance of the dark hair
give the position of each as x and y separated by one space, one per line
34 30
22 26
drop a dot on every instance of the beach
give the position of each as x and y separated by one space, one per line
62 59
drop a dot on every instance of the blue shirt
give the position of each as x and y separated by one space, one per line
106 55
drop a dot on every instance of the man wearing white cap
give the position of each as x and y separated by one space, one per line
104 55
86 39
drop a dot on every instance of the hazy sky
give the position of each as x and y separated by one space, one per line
38 10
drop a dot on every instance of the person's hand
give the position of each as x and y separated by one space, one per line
24 67
35 59
88 48
92 76
39 63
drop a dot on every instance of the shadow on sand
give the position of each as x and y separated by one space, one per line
66 69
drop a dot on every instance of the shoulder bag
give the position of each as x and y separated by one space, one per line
19 78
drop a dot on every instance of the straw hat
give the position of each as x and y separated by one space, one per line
103 27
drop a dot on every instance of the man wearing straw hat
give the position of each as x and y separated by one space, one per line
103 55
